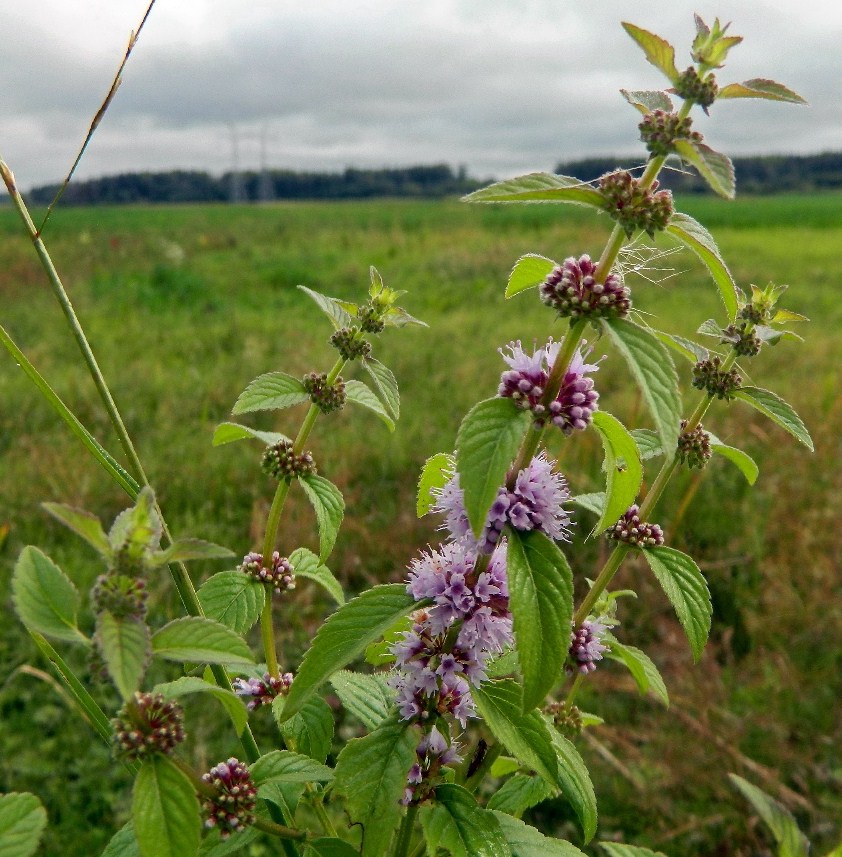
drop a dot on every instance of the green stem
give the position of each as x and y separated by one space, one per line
405 832
319 808
574 689
267 634
491 755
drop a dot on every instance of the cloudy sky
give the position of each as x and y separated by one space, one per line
500 86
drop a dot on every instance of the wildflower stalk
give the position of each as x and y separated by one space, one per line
405 832
492 753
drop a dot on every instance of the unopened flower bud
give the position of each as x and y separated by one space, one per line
280 576
692 87
742 339
572 289
261 691
567 719
328 397
281 461
708 376
694 448
349 345
147 724
119 595
634 206
630 530
586 646
661 131
232 807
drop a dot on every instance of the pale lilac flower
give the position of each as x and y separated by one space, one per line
261 691
433 752
586 645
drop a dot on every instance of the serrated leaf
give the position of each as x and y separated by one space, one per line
330 847
360 394
331 307
779 411
288 767
186 550
365 696
653 369
539 187
593 502
379 653
386 384
791 841
519 793
643 670
22 821
233 704
138 529
45 598
165 811
230 432
486 444
526 841
746 464
759 87
648 100
200 640
122 843
398 317
658 51
124 644
82 523
464 828
541 603
687 590
773 336
575 782
691 233
620 849
310 730
437 471
529 271
233 598
326 500
623 470
269 392
685 347
504 665
306 564
344 636
648 443
709 327
371 774
714 167
782 316
214 846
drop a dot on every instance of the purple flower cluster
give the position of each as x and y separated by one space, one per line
281 576
586 645
232 807
435 668
526 382
261 691
573 290
432 752
535 503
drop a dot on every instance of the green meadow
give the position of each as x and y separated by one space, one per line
185 305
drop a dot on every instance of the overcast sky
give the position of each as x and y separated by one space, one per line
500 86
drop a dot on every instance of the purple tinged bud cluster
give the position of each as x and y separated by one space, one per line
120 595
632 531
328 397
231 809
525 383
573 290
586 646
283 462
567 719
432 752
147 724
434 668
694 448
350 344
634 206
661 130
261 691
692 87
742 338
534 503
708 376
281 576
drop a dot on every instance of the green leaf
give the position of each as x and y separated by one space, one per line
504 665
658 51
269 392
691 233
44 597
365 696
229 432
648 443
746 464
138 529
653 369
648 100
386 385
709 327
344 636
541 602
688 349
200 640
233 704
331 307
185 550
575 782
360 394
379 653
233 598
398 317
529 271
791 841
330 847
539 187
526 841
620 849
622 466
759 87
463 827
714 167
214 846
486 444
22 821
435 474
310 731
687 590
124 644
643 670
525 736
165 811
82 523
371 774
288 767
327 503
122 843
593 502
779 411
519 793
306 564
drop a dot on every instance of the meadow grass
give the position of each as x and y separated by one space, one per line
185 305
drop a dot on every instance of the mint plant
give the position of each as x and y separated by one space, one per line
468 670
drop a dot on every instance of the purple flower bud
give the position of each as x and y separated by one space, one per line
281 576
586 645
232 807
262 691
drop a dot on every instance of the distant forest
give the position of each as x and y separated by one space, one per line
755 175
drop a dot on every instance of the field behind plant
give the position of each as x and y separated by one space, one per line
184 306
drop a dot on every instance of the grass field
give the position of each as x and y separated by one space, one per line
184 306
